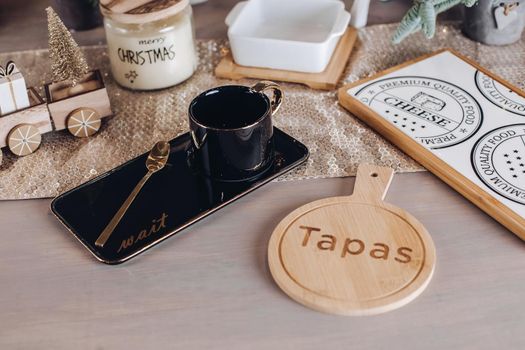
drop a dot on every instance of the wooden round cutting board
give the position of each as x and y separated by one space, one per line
352 255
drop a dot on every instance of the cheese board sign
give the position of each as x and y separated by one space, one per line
460 121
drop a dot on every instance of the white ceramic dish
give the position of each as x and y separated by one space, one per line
295 35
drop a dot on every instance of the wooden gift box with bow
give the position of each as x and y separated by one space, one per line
13 91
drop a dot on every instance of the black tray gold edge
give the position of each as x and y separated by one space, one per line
183 227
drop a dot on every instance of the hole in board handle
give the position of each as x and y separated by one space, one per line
374 175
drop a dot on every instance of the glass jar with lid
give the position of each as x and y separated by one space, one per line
151 43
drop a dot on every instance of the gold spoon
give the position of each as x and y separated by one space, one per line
157 158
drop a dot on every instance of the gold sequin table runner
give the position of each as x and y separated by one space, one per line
338 142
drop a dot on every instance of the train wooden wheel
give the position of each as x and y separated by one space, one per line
24 139
83 122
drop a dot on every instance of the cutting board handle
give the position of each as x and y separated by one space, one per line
372 183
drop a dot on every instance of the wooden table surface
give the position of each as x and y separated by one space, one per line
210 287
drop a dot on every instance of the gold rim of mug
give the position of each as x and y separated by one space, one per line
266 114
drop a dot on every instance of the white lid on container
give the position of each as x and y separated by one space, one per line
141 11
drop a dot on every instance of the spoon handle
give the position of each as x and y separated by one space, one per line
102 239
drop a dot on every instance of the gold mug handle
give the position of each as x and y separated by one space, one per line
198 144
278 93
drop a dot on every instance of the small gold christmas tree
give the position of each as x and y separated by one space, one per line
68 62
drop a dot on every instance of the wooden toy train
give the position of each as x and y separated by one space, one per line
79 109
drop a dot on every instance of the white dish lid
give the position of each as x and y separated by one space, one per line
307 21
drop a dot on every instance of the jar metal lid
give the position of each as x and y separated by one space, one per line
141 11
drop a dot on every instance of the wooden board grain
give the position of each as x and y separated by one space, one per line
352 255
478 195
326 80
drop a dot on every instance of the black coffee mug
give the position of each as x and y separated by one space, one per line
232 132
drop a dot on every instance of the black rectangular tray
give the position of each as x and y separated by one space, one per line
171 200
